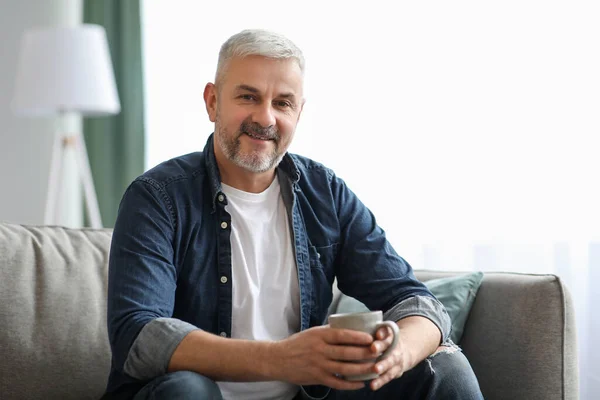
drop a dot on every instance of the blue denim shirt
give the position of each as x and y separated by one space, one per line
170 260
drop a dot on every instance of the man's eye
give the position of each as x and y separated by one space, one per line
247 97
283 104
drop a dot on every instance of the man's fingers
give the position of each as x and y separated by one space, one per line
384 340
392 373
387 364
347 336
384 332
338 383
349 353
345 368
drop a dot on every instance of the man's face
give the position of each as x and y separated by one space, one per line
255 107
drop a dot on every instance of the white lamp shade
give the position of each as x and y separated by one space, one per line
66 69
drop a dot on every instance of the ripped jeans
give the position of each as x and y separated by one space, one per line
445 375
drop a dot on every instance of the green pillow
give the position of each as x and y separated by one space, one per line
456 293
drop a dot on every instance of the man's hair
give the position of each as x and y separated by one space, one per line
257 42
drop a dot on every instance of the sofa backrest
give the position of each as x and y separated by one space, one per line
53 339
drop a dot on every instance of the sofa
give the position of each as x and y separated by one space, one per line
519 335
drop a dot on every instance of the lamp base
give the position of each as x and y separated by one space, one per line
60 144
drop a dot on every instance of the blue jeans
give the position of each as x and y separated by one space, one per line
181 385
444 376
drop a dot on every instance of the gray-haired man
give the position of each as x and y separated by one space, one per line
222 264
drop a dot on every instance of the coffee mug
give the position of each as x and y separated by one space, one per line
368 322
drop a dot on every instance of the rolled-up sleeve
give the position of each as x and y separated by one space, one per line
151 351
423 306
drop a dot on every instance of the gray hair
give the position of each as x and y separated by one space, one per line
257 42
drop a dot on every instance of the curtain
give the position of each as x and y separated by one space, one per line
116 144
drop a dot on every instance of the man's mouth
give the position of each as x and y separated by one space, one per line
258 137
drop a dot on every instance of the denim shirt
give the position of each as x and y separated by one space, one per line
170 260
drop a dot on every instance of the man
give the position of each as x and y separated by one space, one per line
222 264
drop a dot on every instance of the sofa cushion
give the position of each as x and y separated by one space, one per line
53 341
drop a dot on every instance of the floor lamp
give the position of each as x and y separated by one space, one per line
66 70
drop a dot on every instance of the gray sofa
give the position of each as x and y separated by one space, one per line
520 335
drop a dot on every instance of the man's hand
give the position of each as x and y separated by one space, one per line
419 338
320 354
394 365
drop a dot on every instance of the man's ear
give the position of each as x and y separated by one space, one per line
210 99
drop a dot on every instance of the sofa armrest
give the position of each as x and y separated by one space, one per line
520 336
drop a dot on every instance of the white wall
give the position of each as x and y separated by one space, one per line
25 143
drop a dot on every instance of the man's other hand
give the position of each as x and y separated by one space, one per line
321 355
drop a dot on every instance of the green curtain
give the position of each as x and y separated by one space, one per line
116 144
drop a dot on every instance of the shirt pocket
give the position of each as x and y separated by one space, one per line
322 260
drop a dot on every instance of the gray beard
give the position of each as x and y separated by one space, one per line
256 162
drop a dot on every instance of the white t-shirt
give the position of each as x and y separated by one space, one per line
266 295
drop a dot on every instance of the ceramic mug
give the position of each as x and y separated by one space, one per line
368 322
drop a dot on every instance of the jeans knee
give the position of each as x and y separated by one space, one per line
184 385
452 376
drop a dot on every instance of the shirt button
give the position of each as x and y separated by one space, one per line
223 279
221 198
224 225
223 334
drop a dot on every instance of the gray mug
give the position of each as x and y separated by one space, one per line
368 322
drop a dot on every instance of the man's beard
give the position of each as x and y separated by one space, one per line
254 161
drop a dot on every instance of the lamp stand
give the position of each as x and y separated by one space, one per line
59 147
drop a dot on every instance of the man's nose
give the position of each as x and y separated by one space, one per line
264 115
